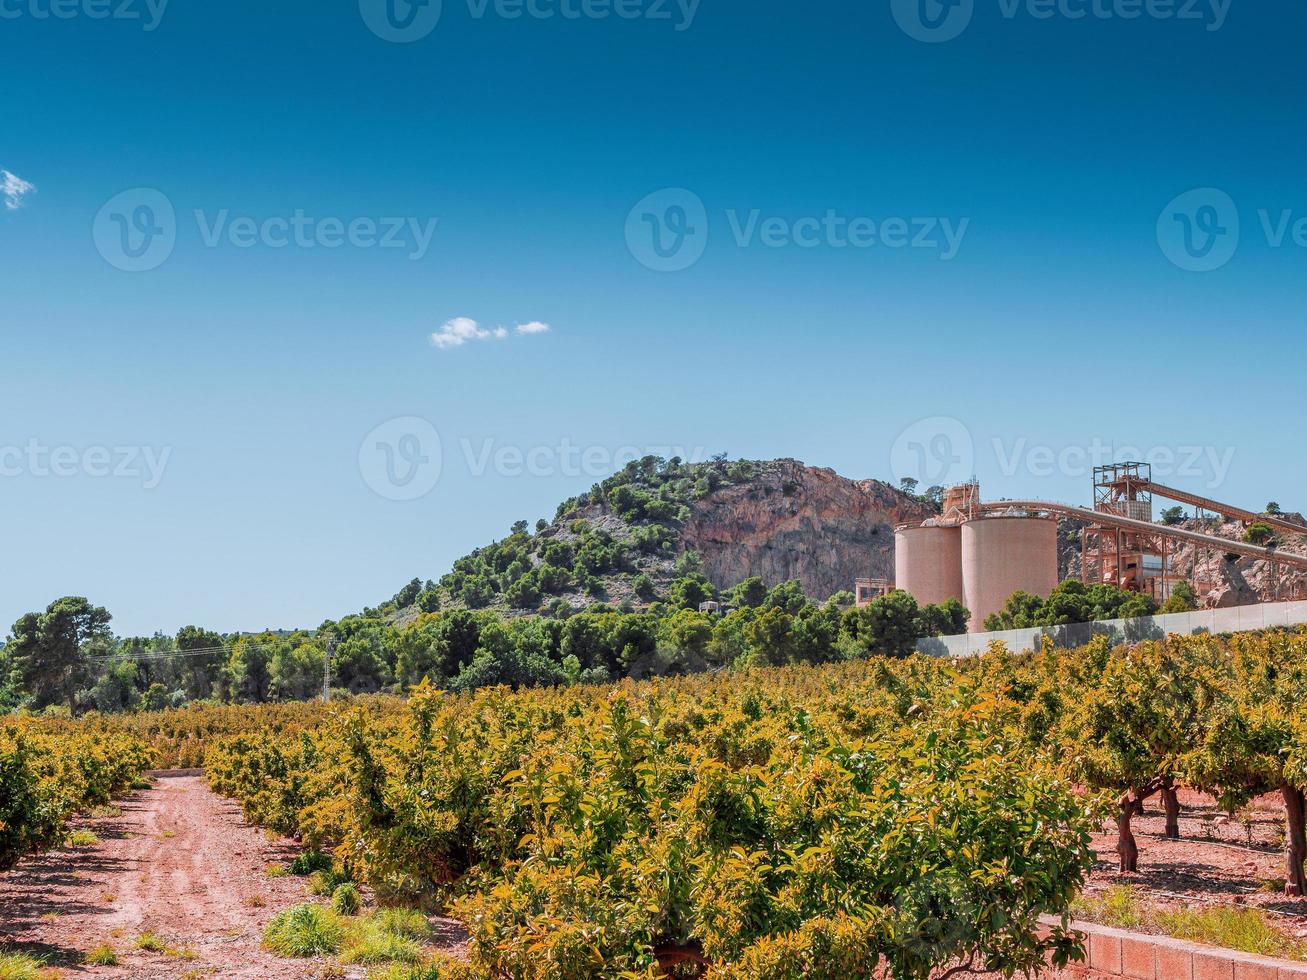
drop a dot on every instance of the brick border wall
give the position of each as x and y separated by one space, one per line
1120 953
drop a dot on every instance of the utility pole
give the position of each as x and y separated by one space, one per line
326 667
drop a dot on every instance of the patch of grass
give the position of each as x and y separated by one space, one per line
403 922
1248 930
345 900
102 955
309 862
142 784
20 966
276 871
370 945
440 968
81 838
168 834
149 942
108 898
304 930
327 881
101 812
387 936
256 901
181 953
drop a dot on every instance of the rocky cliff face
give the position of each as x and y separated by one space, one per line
800 522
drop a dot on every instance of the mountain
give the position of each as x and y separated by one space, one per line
631 538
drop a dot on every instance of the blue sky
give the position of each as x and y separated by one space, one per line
243 387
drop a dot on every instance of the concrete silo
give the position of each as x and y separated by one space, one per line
928 562
1002 555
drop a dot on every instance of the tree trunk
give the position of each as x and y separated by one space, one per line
1125 845
1171 803
1295 883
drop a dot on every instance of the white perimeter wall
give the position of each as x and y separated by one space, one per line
1233 620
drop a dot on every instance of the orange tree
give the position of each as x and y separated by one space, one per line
1125 730
1254 742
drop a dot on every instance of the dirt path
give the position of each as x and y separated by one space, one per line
179 862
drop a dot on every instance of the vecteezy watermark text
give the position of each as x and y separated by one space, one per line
147 12
403 458
936 21
406 21
301 230
36 459
941 451
668 231
136 231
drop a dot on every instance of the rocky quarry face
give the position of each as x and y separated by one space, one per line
800 522
1224 583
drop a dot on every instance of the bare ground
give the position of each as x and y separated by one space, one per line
179 862
1219 859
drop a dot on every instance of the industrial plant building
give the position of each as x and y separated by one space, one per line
981 553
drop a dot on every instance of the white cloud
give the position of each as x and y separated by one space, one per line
14 189
458 331
461 329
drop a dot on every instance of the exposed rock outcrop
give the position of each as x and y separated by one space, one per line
800 522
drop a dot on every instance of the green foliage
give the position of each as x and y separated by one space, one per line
889 625
46 652
304 930
47 776
1259 532
1171 516
102 955
1071 602
308 862
20 966
345 899
761 821
1182 599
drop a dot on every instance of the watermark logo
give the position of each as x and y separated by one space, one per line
1199 230
401 459
401 21
136 230
36 459
932 21
667 231
937 451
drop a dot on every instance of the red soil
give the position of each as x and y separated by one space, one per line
180 862
1217 860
